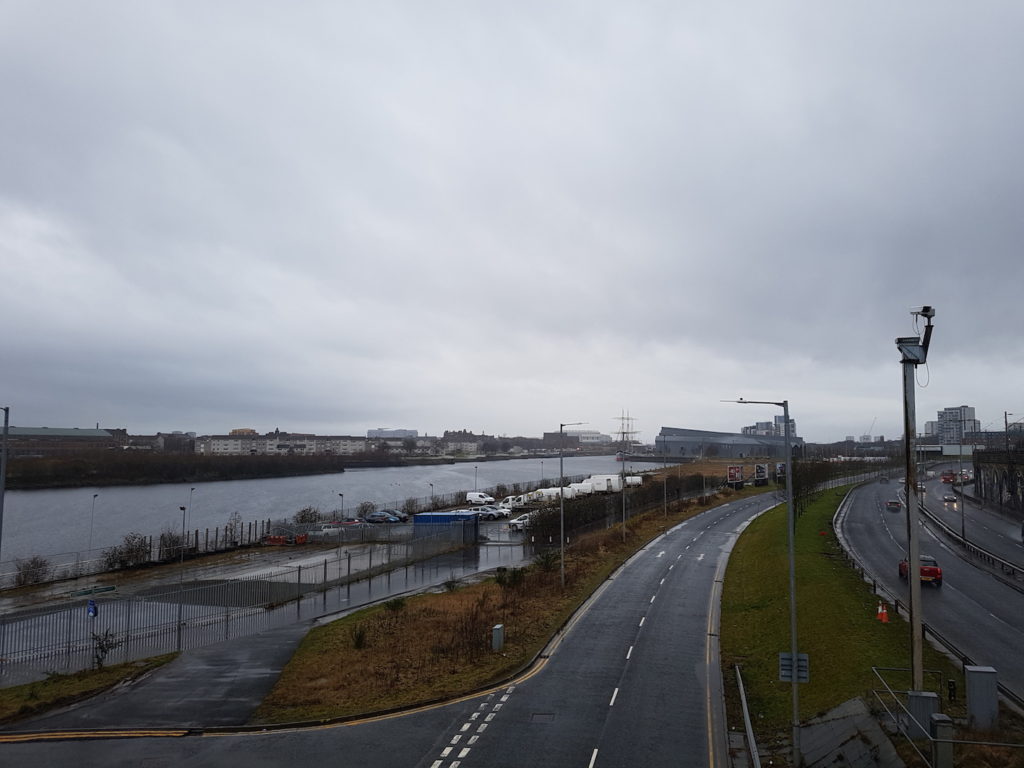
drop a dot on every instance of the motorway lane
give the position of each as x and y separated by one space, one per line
634 681
979 614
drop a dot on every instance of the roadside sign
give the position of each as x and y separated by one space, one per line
803 672
760 471
780 469
735 473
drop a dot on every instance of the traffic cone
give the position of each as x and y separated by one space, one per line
883 613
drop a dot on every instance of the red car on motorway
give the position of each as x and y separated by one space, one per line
930 570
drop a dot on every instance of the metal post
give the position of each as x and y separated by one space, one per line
181 572
561 496
963 507
92 517
793 647
3 475
915 352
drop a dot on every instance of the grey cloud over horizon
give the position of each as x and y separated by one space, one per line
338 216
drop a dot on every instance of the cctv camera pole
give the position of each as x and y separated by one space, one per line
915 353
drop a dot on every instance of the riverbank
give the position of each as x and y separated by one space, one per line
105 469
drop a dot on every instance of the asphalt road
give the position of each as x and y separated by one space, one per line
634 680
981 615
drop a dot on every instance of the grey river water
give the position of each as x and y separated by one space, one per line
56 523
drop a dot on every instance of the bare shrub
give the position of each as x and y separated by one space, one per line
411 506
102 644
133 550
170 545
365 508
34 570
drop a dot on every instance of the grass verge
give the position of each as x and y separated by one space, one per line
21 701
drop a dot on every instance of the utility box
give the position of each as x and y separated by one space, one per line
921 705
498 637
982 698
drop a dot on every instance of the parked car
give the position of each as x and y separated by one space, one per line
476 497
491 512
521 523
929 570
402 516
380 516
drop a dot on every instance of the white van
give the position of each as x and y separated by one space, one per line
475 497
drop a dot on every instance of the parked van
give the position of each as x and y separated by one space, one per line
476 497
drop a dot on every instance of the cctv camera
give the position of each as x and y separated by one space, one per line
924 311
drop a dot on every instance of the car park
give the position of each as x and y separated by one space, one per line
402 516
476 497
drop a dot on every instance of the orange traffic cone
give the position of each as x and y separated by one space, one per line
883 613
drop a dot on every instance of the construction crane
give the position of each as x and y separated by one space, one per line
870 429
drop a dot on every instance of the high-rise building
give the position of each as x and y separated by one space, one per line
954 423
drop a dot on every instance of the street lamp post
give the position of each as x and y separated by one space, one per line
561 496
474 477
3 474
791 524
181 573
542 470
342 495
92 517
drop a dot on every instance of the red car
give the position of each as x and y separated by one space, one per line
930 570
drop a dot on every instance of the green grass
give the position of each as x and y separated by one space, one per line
836 622
20 701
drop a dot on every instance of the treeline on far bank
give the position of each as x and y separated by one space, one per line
102 468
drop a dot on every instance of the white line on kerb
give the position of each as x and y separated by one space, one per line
642 620
593 759
661 582
614 694
629 653
652 598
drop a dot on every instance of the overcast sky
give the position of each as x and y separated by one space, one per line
336 216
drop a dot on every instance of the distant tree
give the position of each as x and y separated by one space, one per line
133 550
489 447
365 508
408 445
411 506
306 516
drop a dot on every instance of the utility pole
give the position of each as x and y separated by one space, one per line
914 350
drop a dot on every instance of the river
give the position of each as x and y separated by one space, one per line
52 523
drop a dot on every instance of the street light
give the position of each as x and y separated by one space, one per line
474 477
92 516
542 470
561 496
181 572
3 472
342 505
791 523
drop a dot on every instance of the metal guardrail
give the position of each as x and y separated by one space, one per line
880 589
751 742
1013 570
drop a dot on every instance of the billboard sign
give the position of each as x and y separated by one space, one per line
780 469
760 471
735 473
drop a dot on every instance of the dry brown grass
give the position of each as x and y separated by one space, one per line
437 646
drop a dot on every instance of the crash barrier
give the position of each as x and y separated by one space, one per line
898 605
95 626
